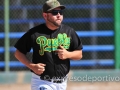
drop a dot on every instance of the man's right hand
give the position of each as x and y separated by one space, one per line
38 68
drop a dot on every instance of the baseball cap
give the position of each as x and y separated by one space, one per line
52 4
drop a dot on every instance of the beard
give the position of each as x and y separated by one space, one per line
54 22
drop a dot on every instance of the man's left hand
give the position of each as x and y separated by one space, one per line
62 53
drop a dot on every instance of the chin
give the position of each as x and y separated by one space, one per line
57 24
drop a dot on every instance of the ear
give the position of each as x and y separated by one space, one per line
44 15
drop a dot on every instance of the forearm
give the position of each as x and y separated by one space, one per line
23 59
75 55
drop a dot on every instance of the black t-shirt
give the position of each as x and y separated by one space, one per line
44 42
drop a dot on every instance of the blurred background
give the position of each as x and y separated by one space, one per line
97 22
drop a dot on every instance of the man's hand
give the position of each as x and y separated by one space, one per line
38 68
62 53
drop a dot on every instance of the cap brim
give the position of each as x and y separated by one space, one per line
61 6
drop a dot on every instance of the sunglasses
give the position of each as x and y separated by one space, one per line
55 12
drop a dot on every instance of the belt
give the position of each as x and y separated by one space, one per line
55 80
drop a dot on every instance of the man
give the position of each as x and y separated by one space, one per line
54 45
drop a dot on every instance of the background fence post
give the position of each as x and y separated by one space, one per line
117 33
6 28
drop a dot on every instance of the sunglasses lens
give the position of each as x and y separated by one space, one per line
55 12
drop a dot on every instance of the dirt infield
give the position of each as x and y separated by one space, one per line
71 86
94 86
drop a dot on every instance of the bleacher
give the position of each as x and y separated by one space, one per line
81 22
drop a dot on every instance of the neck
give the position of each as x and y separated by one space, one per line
51 26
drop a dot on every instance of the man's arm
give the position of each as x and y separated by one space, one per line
64 54
37 68
75 55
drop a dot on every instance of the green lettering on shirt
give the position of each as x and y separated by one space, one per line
48 45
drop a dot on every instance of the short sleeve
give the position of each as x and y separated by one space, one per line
24 43
76 43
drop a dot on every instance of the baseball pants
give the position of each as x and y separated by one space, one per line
38 84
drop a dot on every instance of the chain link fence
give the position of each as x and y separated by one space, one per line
92 20
1 30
